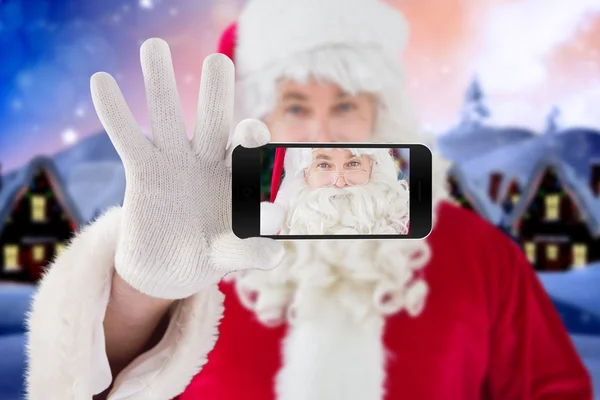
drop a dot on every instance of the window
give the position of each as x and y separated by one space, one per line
530 251
11 258
551 252
38 253
552 207
579 254
515 198
58 249
38 208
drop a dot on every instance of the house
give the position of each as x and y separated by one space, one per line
37 218
472 196
557 219
595 177
511 196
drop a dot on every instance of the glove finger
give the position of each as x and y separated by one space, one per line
249 133
116 117
215 108
164 107
230 253
272 216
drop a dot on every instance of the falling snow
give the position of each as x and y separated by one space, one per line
146 4
69 136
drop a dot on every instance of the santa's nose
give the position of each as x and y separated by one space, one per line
320 132
340 182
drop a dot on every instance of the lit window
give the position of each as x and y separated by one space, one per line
552 207
579 254
58 249
38 253
552 252
530 251
11 258
38 208
515 198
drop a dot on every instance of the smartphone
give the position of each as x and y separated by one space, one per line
330 184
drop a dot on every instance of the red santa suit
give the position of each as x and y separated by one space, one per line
488 331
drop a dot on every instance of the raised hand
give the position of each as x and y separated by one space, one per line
176 232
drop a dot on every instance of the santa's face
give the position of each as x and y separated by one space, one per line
343 193
337 168
320 112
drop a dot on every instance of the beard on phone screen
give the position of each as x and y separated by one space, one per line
378 207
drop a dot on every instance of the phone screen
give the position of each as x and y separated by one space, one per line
332 191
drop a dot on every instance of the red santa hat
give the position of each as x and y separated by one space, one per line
356 44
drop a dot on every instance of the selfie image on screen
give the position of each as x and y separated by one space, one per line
337 191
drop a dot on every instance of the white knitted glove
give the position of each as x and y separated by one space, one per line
176 235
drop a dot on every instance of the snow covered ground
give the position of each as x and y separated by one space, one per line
577 293
589 349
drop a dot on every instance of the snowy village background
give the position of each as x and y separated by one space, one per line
512 101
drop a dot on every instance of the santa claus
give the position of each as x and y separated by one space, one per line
345 191
130 309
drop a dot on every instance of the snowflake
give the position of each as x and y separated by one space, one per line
69 136
146 4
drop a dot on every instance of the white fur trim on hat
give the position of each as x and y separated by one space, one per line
270 31
305 156
355 44
299 159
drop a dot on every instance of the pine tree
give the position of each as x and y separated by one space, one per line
552 120
474 110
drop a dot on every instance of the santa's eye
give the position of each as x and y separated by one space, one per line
323 165
354 164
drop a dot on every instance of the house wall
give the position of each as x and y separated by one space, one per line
35 232
552 232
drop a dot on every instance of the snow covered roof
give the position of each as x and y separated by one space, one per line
577 188
507 182
90 173
19 179
95 186
477 196
460 144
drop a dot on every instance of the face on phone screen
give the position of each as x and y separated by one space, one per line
329 192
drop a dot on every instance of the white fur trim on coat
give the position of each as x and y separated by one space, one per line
66 339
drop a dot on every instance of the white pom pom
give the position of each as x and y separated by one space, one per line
271 218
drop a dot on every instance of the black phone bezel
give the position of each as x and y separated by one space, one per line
245 197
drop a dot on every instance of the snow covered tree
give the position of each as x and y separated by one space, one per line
552 120
474 110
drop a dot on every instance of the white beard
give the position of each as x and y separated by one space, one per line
377 208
